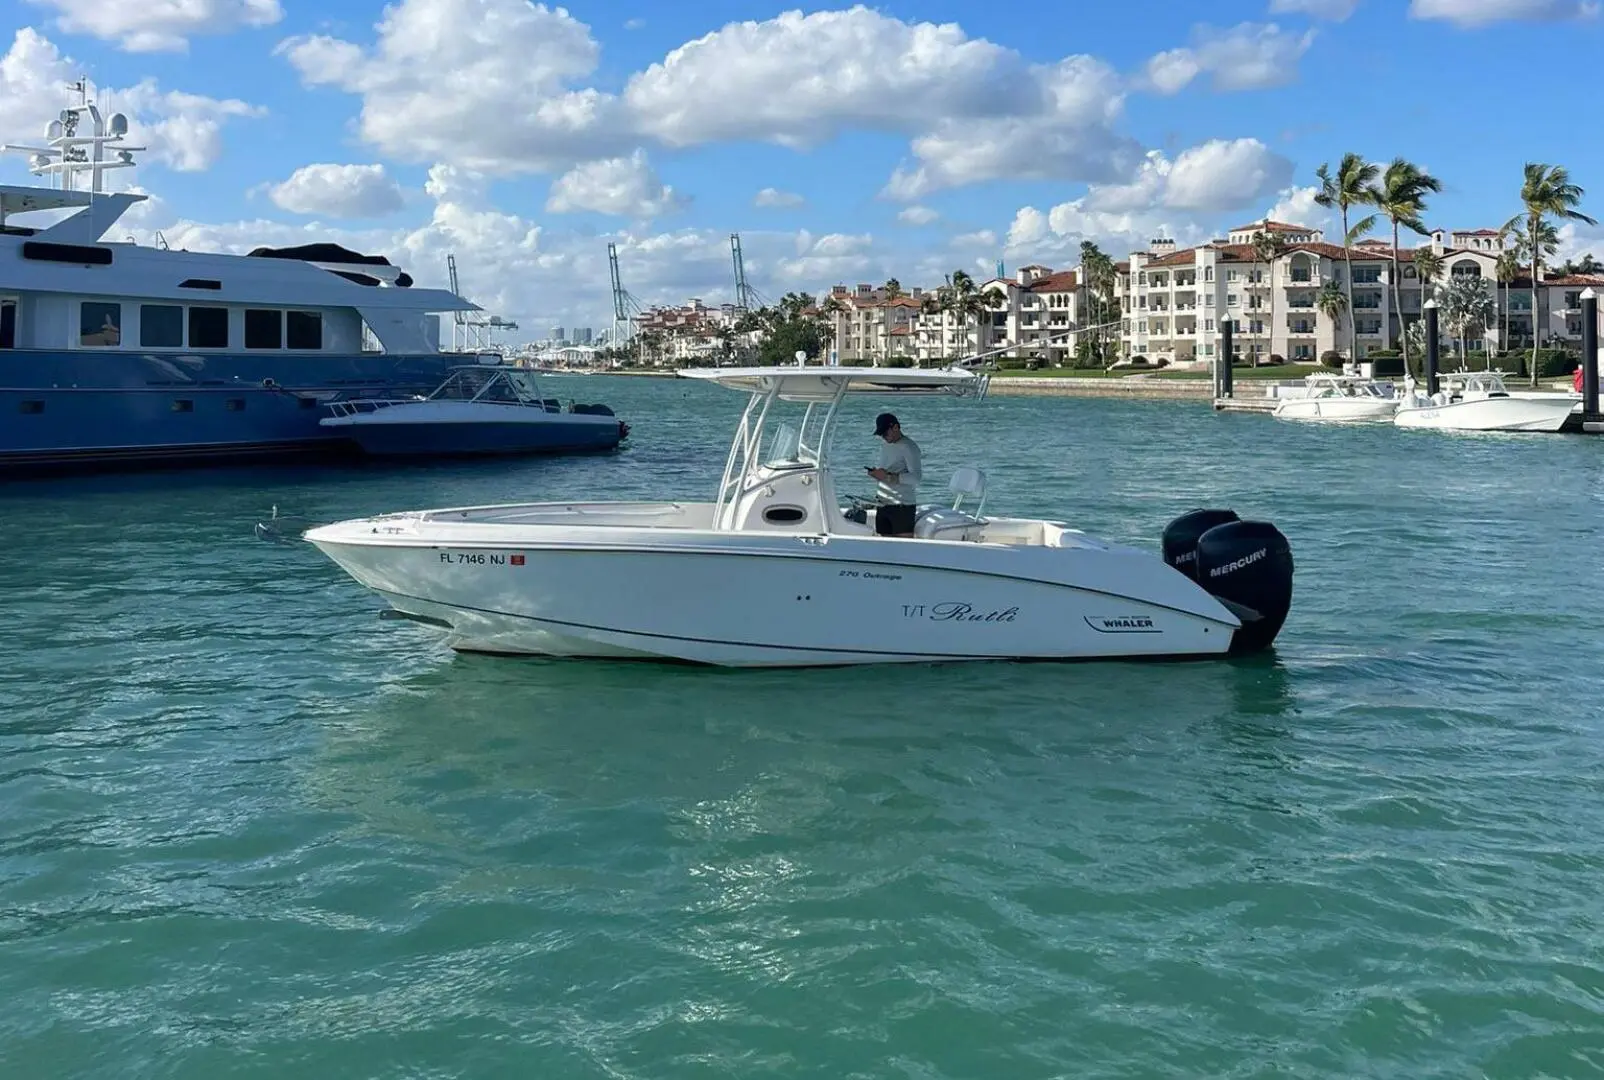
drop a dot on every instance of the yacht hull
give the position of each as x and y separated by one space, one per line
1490 414
784 601
77 410
459 428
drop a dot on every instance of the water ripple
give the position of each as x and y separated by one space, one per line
248 829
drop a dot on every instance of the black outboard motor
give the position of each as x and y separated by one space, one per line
1246 565
593 410
1180 538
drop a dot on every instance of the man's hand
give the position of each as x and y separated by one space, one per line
880 474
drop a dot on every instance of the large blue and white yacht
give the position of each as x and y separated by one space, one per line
115 352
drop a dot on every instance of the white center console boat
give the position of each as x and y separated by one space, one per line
775 571
1332 397
1479 401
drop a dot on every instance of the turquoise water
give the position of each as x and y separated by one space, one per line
249 829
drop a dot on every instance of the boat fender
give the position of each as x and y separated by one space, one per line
1248 565
1181 536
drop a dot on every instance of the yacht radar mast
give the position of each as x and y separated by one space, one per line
69 152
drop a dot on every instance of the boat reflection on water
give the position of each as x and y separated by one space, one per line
703 749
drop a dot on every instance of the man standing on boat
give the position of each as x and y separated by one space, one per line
898 479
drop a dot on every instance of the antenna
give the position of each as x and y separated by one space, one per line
66 153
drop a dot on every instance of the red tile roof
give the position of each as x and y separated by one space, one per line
1064 280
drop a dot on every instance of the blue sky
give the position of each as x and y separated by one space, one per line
901 140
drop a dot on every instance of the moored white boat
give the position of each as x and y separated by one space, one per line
480 409
1479 401
1331 397
775 571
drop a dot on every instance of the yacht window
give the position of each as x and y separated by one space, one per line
161 326
8 325
303 330
264 329
208 328
784 515
100 324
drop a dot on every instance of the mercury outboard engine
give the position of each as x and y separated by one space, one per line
1246 565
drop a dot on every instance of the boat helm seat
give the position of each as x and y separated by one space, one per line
946 523
968 481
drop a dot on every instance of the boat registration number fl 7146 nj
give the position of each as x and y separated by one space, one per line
779 570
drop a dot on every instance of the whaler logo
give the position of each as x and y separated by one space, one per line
1122 624
1233 567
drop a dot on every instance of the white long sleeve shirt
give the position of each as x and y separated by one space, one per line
902 459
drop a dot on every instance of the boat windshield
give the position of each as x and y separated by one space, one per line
505 386
785 447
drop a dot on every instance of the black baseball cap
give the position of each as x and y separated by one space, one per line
884 423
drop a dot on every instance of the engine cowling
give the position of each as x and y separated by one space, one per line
1181 537
1246 565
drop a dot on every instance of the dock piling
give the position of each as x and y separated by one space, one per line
1432 347
1226 355
1590 402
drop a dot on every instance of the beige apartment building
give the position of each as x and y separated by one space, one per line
1176 301
1035 315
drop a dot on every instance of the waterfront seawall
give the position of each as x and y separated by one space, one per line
1162 389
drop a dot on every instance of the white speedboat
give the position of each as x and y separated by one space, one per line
776 571
479 409
1479 401
1332 397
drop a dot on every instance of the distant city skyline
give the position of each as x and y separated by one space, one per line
991 138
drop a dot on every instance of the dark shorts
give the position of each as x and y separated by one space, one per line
894 519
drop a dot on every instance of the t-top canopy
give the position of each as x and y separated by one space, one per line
825 383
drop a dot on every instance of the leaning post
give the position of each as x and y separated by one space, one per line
1590 406
1432 347
1226 353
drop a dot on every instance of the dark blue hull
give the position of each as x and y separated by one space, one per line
78 409
485 439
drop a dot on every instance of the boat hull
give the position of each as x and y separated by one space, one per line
456 428
784 601
1490 414
1336 410
73 410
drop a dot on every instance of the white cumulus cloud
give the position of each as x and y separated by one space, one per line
1249 56
799 79
486 84
340 191
1070 136
626 186
917 215
161 25
1470 14
775 199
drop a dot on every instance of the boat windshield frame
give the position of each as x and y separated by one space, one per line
521 382
822 390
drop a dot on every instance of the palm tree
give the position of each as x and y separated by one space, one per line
1507 268
1100 279
893 288
1332 302
1465 304
1267 248
1428 268
1401 198
1352 185
1521 246
1547 191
